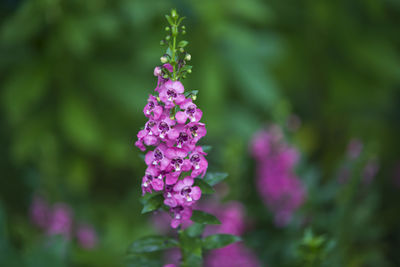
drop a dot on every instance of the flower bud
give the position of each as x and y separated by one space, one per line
167 28
162 42
167 37
188 57
173 13
163 59
157 71
189 71
183 32
181 50
183 27
194 97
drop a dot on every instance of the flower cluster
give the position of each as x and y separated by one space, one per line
58 219
277 184
173 128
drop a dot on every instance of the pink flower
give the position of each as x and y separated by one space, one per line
181 214
196 131
171 93
198 163
86 236
186 193
177 161
281 190
189 111
153 110
234 255
158 157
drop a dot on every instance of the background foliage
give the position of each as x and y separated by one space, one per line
75 76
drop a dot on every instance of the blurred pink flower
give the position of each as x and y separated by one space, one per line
277 183
40 212
86 236
235 255
61 220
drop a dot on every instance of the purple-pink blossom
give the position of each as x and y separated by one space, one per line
58 219
277 183
86 236
173 129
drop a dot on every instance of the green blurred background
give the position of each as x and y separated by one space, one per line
75 76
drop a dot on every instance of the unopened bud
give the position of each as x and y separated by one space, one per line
189 71
167 28
167 37
173 13
157 71
162 42
158 99
188 57
163 59
181 49
183 27
194 97
183 32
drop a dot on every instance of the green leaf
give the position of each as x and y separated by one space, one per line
153 203
195 230
180 20
169 53
205 187
183 43
213 178
204 217
206 149
152 243
190 93
170 21
219 241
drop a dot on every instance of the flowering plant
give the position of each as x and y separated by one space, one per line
175 178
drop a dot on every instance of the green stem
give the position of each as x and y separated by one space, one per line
173 57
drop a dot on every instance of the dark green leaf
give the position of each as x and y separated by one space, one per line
204 217
213 178
219 241
195 230
153 203
183 43
205 187
152 243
